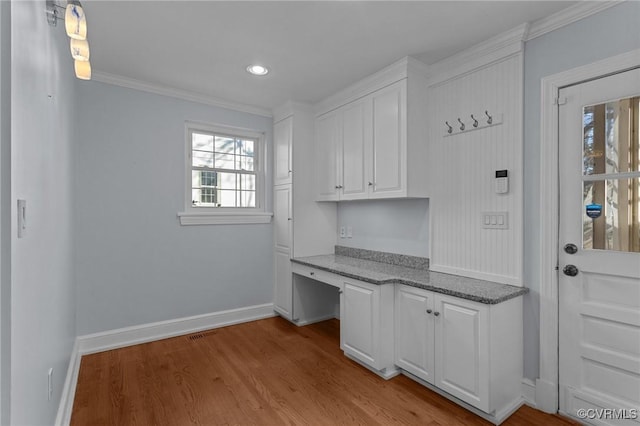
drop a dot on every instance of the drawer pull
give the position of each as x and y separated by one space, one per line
429 311
436 313
312 273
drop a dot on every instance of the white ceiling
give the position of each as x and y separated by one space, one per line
313 48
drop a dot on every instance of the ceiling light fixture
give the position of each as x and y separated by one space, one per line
257 70
76 27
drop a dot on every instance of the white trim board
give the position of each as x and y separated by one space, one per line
128 336
547 384
172 92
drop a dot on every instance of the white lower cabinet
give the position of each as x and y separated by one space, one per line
366 325
469 350
283 294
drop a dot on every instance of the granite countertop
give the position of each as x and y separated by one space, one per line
385 273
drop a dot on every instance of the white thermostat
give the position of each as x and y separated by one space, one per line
502 181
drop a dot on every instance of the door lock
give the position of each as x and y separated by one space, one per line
570 248
570 270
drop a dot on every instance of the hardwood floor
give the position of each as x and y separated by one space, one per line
266 372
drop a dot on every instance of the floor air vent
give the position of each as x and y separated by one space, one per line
200 335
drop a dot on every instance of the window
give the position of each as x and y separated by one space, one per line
225 176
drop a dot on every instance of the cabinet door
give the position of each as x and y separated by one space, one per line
389 141
356 150
462 354
282 138
327 154
282 217
359 327
283 296
415 331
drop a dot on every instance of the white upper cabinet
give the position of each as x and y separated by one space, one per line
283 137
328 144
356 149
372 137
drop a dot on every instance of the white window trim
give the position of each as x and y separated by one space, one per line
225 215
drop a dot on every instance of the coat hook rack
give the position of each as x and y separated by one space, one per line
490 121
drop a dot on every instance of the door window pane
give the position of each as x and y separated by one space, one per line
611 141
611 215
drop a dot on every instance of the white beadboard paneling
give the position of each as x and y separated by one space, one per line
462 169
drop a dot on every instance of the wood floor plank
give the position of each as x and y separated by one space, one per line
266 372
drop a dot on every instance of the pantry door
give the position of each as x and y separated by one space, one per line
599 249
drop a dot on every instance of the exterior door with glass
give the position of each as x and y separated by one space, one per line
599 250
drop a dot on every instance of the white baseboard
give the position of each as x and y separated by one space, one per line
122 337
529 392
309 321
128 336
546 396
69 389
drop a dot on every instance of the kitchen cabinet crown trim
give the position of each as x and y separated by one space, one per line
395 72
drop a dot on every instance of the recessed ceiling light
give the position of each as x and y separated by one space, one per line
257 70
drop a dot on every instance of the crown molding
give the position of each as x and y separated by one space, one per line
172 92
289 109
581 10
489 51
390 74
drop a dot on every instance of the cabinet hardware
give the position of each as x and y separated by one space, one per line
289 218
340 291
370 183
429 311
312 273
436 313
290 171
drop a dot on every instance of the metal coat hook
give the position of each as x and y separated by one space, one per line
461 124
450 129
490 118
475 122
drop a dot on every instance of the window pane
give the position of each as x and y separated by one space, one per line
611 137
247 198
227 180
611 219
225 161
247 182
245 147
227 198
204 197
202 159
202 142
203 178
225 145
245 163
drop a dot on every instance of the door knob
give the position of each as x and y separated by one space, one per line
570 270
570 248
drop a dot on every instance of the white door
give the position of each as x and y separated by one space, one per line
327 153
462 349
282 137
358 321
389 141
282 217
356 149
599 246
414 331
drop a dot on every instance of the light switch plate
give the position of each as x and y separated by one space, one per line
494 220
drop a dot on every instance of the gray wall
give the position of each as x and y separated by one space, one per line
136 264
43 292
606 34
396 226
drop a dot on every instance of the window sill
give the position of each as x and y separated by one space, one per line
222 218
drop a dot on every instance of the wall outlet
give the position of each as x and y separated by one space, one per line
343 233
50 384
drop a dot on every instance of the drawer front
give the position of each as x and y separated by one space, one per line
317 274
